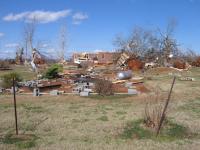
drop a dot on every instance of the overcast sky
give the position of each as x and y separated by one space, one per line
93 24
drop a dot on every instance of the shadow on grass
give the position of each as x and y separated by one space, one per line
111 97
170 132
21 141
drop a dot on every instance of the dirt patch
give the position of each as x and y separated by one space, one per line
141 88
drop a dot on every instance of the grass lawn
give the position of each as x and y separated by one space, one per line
96 123
25 72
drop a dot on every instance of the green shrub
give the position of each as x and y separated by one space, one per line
22 142
7 79
53 71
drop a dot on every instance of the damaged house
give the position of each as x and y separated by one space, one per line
96 58
132 63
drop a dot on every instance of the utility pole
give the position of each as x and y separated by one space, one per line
15 106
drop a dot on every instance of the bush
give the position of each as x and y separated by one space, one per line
53 71
153 110
84 65
153 115
8 78
104 87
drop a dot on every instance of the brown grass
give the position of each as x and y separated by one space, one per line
71 122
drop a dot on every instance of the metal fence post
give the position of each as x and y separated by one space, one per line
15 106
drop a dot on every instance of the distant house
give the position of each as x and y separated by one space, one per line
97 58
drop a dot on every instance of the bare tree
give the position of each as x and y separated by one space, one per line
28 35
120 42
190 55
40 45
62 42
169 45
137 43
19 55
26 46
149 44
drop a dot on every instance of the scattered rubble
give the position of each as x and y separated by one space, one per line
124 75
187 79
179 64
131 63
54 92
36 92
196 63
150 65
132 92
1 90
93 58
81 80
122 60
135 64
74 81
84 93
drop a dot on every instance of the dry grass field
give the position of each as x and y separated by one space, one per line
96 123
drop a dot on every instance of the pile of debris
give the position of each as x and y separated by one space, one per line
93 58
187 79
196 63
74 81
80 75
126 83
132 63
